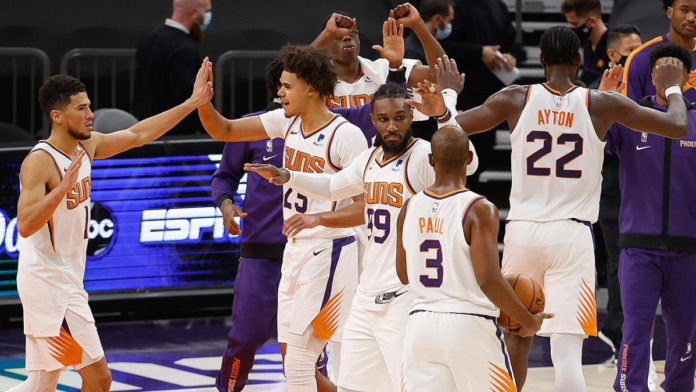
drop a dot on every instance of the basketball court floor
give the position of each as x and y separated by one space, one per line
184 355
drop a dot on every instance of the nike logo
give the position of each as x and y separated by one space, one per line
265 158
316 252
400 294
638 148
682 359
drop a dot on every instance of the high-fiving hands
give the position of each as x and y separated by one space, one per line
393 41
203 86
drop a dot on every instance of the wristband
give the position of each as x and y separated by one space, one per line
400 68
444 116
673 90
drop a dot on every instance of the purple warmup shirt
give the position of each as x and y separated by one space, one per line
639 74
658 185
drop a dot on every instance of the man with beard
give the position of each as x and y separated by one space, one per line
585 18
387 176
167 60
53 219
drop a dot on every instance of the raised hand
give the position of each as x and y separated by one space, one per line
668 72
340 25
299 222
70 176
229 212
447 75
393 41
203 86
611 79
433 103
273 174
405 14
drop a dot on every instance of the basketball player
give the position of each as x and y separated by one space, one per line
318 275
447 248
387 175
358 77
557 134
256 287
52 217
658 179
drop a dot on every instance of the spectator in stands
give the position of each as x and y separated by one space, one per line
438 16
482 40
167 62
585 18
621 41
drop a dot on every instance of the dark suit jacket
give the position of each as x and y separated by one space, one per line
166 65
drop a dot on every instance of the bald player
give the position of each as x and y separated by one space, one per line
387 176
557 134
447 251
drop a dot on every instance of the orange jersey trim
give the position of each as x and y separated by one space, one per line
556 92
437 196
382 163
317 129
629 60
56 148
369 161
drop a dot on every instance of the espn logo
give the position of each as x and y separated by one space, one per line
181 224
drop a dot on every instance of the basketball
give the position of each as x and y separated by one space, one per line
530 294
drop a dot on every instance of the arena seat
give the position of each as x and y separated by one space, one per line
109 120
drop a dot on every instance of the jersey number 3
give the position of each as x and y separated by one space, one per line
561 171
436 263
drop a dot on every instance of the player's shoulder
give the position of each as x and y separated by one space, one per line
647 47
420 146
38 162
481 209
514 91
345 128
641 54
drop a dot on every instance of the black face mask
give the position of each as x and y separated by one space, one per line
582 32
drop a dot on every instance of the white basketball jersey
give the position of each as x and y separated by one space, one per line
387 185
51 265
556 158
441 276
327 149
373 73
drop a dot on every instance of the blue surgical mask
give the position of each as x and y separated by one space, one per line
442 34
207 18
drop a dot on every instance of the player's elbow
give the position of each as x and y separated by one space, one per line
24 228
683 129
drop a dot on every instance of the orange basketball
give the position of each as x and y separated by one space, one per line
530 294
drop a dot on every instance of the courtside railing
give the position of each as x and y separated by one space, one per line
109 75
239 81
22 70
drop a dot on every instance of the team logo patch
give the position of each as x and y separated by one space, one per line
269 145
644 137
